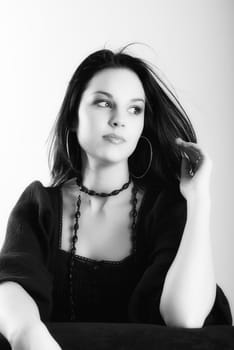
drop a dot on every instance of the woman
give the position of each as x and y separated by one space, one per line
122 233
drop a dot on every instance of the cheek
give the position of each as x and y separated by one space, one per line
136 129
89 128
135 134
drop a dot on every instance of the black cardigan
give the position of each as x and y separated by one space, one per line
32 238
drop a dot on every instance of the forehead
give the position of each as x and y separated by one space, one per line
117 81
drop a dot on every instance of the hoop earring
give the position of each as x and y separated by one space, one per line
150 162
67 147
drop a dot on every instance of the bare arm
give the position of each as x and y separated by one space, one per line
189 288
20 321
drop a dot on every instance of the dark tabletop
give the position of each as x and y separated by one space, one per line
125 336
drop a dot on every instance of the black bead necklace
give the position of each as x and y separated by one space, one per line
133 213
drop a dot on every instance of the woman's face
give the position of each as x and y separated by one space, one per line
118 109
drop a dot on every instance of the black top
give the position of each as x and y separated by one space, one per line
105 291
102 289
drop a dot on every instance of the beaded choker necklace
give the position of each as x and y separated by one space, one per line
133 213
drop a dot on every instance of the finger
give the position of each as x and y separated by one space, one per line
186 169
193 164
193 151
189 145
193 157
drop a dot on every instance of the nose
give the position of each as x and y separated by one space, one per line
116 123
116 120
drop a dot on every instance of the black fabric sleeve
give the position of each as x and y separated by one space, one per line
164 228
24 256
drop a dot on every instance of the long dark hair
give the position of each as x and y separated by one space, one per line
164 120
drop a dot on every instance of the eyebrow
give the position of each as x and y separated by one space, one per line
109 95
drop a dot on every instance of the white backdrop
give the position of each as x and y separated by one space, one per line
43 41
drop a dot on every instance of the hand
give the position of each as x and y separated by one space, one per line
36 337
196 168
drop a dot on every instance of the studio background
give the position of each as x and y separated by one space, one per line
191 43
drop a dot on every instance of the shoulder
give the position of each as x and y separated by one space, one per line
165 221
165 196
36 210
37 196
36 186
37 190
165 210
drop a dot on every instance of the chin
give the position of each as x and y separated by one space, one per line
111 154
112 157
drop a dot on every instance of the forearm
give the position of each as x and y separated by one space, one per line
190 286
20 321
18 311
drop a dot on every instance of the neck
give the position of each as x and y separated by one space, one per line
105 178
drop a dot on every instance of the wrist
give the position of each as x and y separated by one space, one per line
198 207
35 337
199 198
25 332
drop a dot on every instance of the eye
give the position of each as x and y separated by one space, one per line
138 110
102 101
106 103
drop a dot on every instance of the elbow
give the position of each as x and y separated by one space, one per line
194 324
183 323
175 318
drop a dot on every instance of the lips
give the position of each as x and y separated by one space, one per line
114 137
